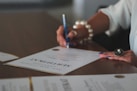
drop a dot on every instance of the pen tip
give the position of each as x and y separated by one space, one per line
67 45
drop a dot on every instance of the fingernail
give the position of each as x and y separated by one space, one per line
108 56
101 52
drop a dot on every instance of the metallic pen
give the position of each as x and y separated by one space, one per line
66 31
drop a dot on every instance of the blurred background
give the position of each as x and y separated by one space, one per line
74 9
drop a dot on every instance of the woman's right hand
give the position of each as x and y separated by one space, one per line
75 35
60 36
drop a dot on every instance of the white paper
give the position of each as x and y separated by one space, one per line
111 82
57 60
85 83
6 57
19 84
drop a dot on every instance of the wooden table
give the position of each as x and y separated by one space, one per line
25 33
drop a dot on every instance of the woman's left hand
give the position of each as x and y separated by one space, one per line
128 56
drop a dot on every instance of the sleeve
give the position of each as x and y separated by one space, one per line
119 15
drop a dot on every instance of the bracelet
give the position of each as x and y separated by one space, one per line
87 26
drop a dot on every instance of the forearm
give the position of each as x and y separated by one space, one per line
99 22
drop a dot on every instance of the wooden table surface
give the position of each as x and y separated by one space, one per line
25 33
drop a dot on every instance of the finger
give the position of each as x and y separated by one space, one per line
60 37
119 58
72 34
106 54
111 55
61 41
60 31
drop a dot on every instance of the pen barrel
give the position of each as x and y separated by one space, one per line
66 31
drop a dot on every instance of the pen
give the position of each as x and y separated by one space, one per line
66 31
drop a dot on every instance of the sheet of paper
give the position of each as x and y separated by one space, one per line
57 60
19 84
110 82
86 83
6 57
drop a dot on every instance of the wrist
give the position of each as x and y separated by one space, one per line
87 27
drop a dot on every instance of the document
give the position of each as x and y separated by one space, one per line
6 57
18 84
110 82
57 60
86 83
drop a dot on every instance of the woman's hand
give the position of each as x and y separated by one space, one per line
60 36
75 35
128 56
